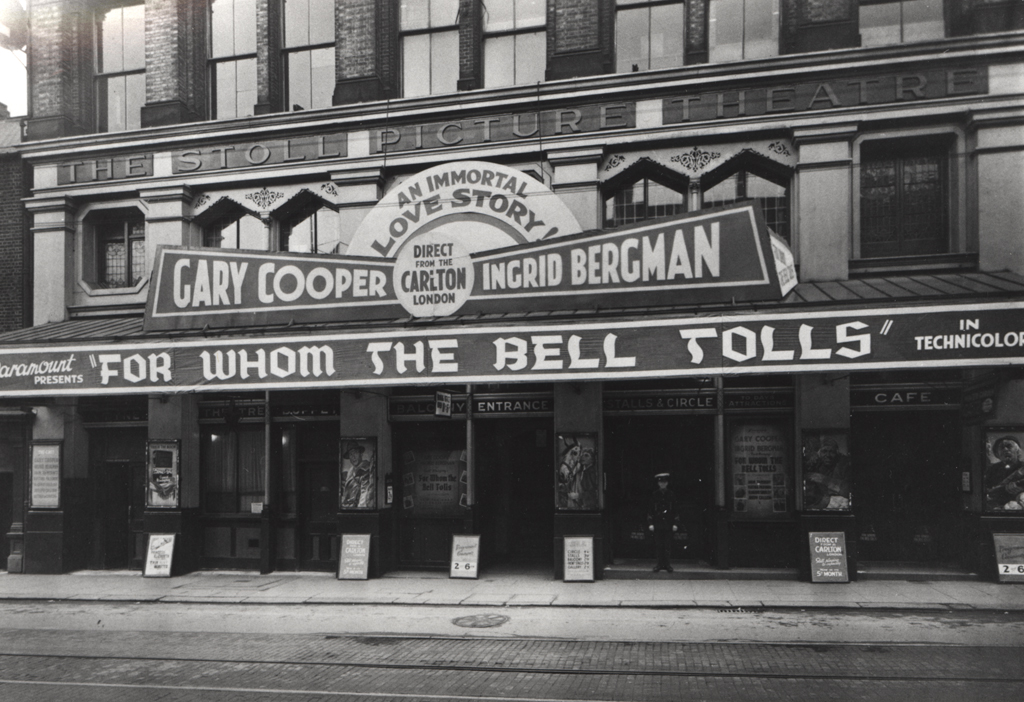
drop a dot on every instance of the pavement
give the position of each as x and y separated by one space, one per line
515 587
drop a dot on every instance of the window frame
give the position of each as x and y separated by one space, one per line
215 61
902 23
290 51
103 77
515 32
90 251
428 31
620 6
612 189
960 239
772 173
713 17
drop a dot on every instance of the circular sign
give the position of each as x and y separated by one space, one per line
433 275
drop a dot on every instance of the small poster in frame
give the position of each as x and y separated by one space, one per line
826 466
45 475
162 473
359 472
576 472
1004 469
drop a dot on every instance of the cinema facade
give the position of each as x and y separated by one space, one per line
798 288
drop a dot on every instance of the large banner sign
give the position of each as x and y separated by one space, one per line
712 256
909 337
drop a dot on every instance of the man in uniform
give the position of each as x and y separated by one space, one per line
663 520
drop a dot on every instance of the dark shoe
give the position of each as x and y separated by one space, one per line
656 569
669 569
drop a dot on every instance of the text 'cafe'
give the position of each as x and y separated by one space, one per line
270 404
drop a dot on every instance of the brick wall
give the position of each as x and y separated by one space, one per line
176 55
12 244
355 23
60 65
269 90
471 41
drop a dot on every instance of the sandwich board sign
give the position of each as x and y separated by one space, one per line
578 559
159 556
828 557
465 556
354 561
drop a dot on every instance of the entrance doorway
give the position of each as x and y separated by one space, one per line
906 485
117 458
638 448
515 490
316 470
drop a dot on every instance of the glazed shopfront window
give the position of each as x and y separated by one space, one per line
121 67
232 462
648 35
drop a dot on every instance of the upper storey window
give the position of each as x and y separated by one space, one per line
233 58
743 29
121 67
430 46
309 53
515 45
900 22
643 199
744 184
904 198
648 35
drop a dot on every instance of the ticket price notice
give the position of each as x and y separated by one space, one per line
465 556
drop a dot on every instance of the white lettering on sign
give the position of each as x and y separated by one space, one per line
281 362
155 367
442 356
433 277
742 344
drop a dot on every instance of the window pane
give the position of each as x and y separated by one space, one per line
667 30
135 98
444 13
499 15
252 234
245 27
322 71
299 76
662 201
531 13
321 29
226 89
218 472
444 62
111 53
246 86
923 206
138 260
923 20
880 24
644 199
115 264
251 458
632 40
761 27
222 28
725 27
531 57
296 22
416 65
246 232
134 37
499 61
414 14
318 233
115 106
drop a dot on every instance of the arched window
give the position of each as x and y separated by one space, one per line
315 228
742 185
230 226
642 199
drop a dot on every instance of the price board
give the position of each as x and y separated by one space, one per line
354 561
159 556
578 559
828 557
1009 557
465 556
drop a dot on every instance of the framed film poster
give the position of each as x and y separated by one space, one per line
826 469
163 474
1004 469
577 483
359 472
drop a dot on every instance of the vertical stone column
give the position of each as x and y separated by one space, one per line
167 222
825 218
53 262
576 182
579 409
1000 138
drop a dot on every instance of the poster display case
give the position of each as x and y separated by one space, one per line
45 473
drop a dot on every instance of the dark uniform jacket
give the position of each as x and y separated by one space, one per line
664 512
